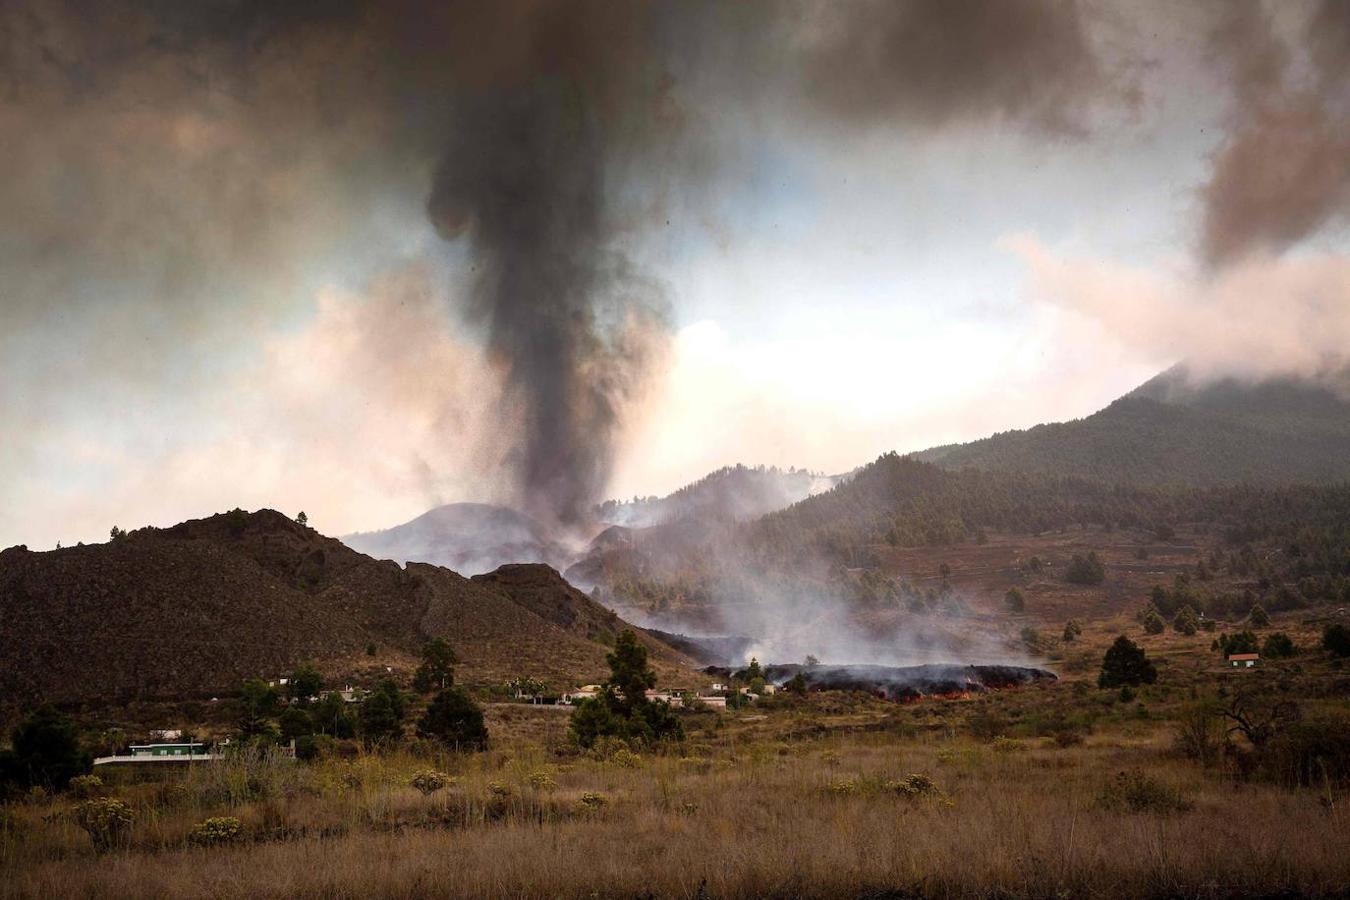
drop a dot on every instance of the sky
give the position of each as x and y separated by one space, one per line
360 260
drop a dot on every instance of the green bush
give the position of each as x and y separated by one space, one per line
86 787
429 781
216 830
106 821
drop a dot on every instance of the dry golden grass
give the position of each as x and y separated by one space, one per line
744 817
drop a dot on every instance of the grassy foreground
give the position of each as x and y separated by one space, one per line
790 803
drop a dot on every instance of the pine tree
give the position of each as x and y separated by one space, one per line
1125 663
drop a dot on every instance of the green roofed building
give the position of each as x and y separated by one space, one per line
168 749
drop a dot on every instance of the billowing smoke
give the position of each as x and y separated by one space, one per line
191 160
528 177
1283 173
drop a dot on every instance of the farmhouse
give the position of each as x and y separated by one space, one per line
1243 660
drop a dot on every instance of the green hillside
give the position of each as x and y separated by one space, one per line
1169 431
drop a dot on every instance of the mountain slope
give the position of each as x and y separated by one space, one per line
191 611
466 537
1171 431
733 493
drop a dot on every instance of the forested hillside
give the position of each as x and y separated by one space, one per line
1170 431
732 493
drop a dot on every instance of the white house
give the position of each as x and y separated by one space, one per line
1243 660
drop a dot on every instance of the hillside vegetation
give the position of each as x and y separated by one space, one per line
1169 431
191 611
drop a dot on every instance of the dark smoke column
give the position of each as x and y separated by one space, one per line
529 179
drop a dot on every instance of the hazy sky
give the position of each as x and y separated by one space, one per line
813 233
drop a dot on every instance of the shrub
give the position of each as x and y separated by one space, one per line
1085 569
1015 601
106 821
1259 617
1186 621
429 781
1003 744
1068 737
215 831
541 780
1336 638
1153 622
591 800
1137 792
626 759
1072 630
85 787
1200 734
1279 646
913 786
499 789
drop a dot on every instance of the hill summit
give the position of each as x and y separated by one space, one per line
192 610
1176 429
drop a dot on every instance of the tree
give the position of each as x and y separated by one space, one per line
754 672
330 716
455 720
258 703
295 723
1259 617
1126 663
1279 646
116 533
1186 621
1015 601
305 683
630 676
622 709
1072 631
46 751
811 661
382 714
1085 569
437 669
1336 638
302 519
796 685
370 649
1242 642
1153 623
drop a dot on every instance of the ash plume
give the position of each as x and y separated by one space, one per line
1283 173
528 177
220 146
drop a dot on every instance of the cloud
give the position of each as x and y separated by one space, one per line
1260 317
1282 173
377 408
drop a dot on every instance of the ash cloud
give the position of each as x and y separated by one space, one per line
1283 173
186 158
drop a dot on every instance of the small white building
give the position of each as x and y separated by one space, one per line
1243 660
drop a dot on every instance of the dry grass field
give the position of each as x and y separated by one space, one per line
812 798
